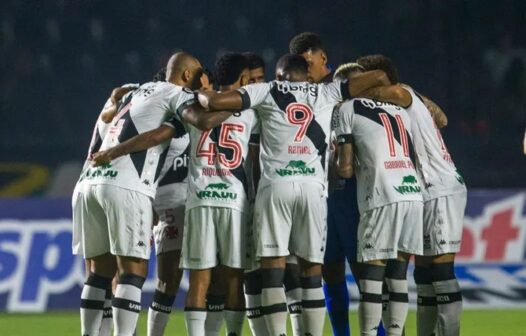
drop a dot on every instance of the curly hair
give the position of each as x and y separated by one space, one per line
304 42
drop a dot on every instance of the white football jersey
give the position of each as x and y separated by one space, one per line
217 174
383 152
295 128
141 110
172 187
440 176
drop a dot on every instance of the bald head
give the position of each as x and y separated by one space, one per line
185 70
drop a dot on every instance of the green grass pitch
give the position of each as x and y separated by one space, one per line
474 323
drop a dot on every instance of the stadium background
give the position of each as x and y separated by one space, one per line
59 60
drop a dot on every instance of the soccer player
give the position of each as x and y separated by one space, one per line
439 297
375 143
217 203
256 66
290 204
116 205
342 217
95 319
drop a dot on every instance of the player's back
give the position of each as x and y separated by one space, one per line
383 157
217 175
141 110
440 176
295 119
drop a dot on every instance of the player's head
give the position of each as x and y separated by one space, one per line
293 68
344 71
160 76
185 70
207 80
309 46
232 70
256 66
380 62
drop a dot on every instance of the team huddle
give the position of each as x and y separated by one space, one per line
262 190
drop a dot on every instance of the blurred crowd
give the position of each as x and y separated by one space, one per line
61 58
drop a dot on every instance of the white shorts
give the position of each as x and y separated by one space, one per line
212 236
291 218
111 219
168 233
443 222
387 230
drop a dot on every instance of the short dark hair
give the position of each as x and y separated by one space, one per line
229 67
304 42
210 75
254 60
380 62
291 63
160 76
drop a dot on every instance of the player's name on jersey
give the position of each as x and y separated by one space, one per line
296 167
215 172
217 191
399 164
287 87
299 150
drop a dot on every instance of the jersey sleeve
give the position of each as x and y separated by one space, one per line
177 125
345 123
181 100
336 91
254 94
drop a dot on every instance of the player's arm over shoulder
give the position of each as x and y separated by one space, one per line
196 115
366 80
244 98
395 94
437 113
110 109
138 143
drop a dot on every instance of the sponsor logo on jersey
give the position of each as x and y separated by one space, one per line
181 161
103 171
296 167
216 191
409 185
304 88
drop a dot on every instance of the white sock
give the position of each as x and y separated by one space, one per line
398 306
370 308
234 322
159 313
92 304
449 299
106 326
313 306
273 301
127 304
253 303
426 314
215 304
294 298
195 321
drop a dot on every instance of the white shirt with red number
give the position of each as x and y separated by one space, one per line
440 176
383 152
217 173
295 128
141 110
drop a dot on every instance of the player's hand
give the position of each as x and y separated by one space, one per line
204 97
101 158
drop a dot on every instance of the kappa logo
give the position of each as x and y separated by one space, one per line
409 185
146 182
394 326
141 243
368 246
296 167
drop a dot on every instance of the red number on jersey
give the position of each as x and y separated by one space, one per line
390 135
225 141
306 115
